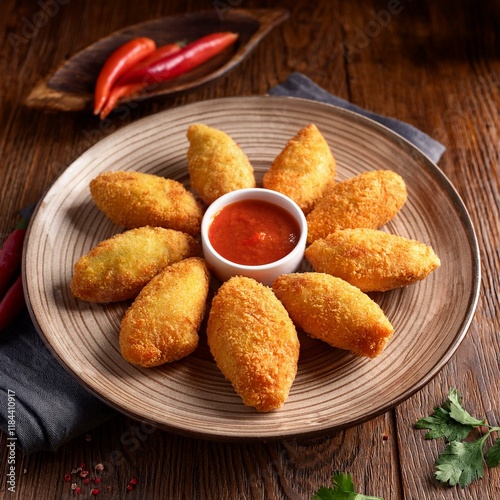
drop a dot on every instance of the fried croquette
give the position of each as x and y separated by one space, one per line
332 310
119 267
254 342
372 260
135 199
162 323
303 168
216 164
368 200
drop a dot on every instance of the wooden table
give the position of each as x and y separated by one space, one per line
435 65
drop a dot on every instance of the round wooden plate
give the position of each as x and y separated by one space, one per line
333 388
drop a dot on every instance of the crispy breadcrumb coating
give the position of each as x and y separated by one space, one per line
332 310
119 267
254 342
135 199
372 260
162 323
217 165
369 200
303 168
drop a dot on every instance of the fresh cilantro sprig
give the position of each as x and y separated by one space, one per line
461 462
342 489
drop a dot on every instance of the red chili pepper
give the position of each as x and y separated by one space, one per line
12 303
159 54
174 65
118 63
119 91
11 256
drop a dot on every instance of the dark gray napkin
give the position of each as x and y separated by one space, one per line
42 406
298 85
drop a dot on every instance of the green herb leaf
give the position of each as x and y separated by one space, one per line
460 414
461 463
450 420
342 489
441 425
493 454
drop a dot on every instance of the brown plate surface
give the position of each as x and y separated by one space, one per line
333 388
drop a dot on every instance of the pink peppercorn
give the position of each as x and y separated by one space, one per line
67 478
95 491
97 480
86 480
133 481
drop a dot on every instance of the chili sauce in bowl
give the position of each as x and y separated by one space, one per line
253 232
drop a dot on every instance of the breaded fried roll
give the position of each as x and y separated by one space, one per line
217 165
372 260
254 342
119 267
162 323
332 310
135 199
303 168
369 200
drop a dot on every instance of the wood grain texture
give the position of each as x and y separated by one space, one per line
434 65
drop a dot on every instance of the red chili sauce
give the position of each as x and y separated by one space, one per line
253 232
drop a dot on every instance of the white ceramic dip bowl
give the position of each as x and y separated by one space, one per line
265 273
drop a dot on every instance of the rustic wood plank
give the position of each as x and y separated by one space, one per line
433 65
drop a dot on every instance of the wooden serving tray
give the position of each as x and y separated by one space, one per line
71 86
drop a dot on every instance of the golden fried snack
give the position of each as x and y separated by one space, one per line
254 342
118 268
332 310
217 165
135 199
303 168
372 260
370 200
162 323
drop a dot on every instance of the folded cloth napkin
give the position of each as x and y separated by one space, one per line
43 406
298 85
